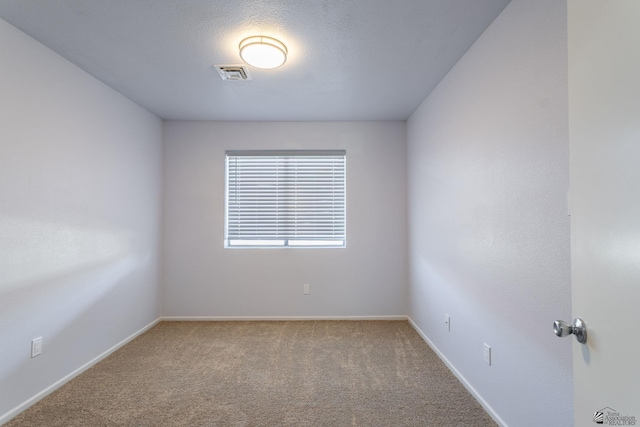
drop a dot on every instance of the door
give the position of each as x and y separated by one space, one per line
604 135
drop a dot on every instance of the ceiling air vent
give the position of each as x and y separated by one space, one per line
233 72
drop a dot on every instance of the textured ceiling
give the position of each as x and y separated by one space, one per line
348 60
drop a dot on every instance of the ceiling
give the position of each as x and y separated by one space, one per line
348 59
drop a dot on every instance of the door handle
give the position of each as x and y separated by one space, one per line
578 328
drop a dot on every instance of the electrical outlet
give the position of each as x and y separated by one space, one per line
306 289
36 347
487 354
447 322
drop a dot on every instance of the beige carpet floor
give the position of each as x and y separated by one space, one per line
232 374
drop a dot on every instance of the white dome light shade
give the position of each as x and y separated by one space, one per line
263 52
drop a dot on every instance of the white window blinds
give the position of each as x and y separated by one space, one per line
285 198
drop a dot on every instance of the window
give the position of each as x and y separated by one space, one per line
285 199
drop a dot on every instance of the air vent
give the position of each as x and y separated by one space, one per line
233 72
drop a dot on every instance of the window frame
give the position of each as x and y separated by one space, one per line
286 242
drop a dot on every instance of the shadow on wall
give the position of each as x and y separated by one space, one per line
52 273
455 293
73 314
36 251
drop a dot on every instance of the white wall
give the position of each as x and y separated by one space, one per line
201 278
488 227
80 178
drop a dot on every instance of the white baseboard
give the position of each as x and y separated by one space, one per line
276 318
53 387
457 373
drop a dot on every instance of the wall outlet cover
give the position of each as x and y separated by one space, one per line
36 347
487 354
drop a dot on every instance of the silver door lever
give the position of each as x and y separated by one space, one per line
579 329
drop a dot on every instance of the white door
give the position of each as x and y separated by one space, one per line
604 135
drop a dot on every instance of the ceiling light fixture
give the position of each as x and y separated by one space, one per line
263 52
